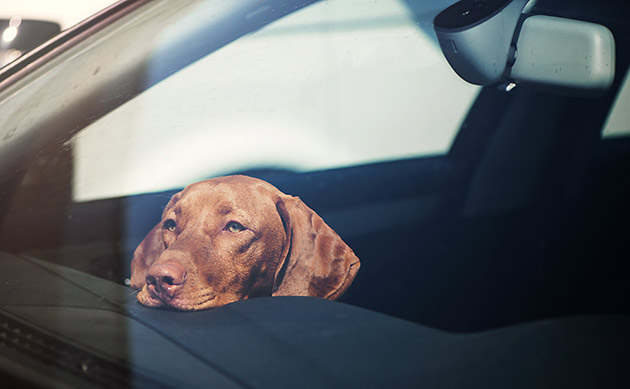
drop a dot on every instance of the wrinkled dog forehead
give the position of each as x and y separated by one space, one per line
224 196
235 187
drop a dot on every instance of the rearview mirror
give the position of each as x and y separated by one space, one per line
497 41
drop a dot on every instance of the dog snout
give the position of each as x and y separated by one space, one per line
166 279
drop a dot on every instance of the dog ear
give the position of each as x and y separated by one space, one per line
315 261
147 252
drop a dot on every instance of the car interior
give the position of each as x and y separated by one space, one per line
525 219
521 220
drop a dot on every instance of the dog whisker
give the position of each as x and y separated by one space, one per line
134 292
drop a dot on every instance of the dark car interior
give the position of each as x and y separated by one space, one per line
525 219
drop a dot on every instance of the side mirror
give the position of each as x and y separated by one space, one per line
495 41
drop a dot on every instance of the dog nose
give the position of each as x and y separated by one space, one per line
166 279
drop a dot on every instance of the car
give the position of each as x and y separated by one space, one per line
491 221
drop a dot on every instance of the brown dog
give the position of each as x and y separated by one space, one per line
234 238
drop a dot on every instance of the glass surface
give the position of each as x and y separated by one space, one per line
454 197
618 121
335 84
474 211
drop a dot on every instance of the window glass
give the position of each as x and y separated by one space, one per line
618 121
324 87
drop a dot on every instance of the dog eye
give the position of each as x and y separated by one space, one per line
170 225
234 227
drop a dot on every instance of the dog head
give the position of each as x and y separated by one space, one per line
234 238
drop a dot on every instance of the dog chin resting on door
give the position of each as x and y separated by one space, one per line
234 238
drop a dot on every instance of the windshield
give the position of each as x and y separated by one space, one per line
349 105
364 83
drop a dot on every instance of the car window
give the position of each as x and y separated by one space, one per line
618 121
453 196
338 83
